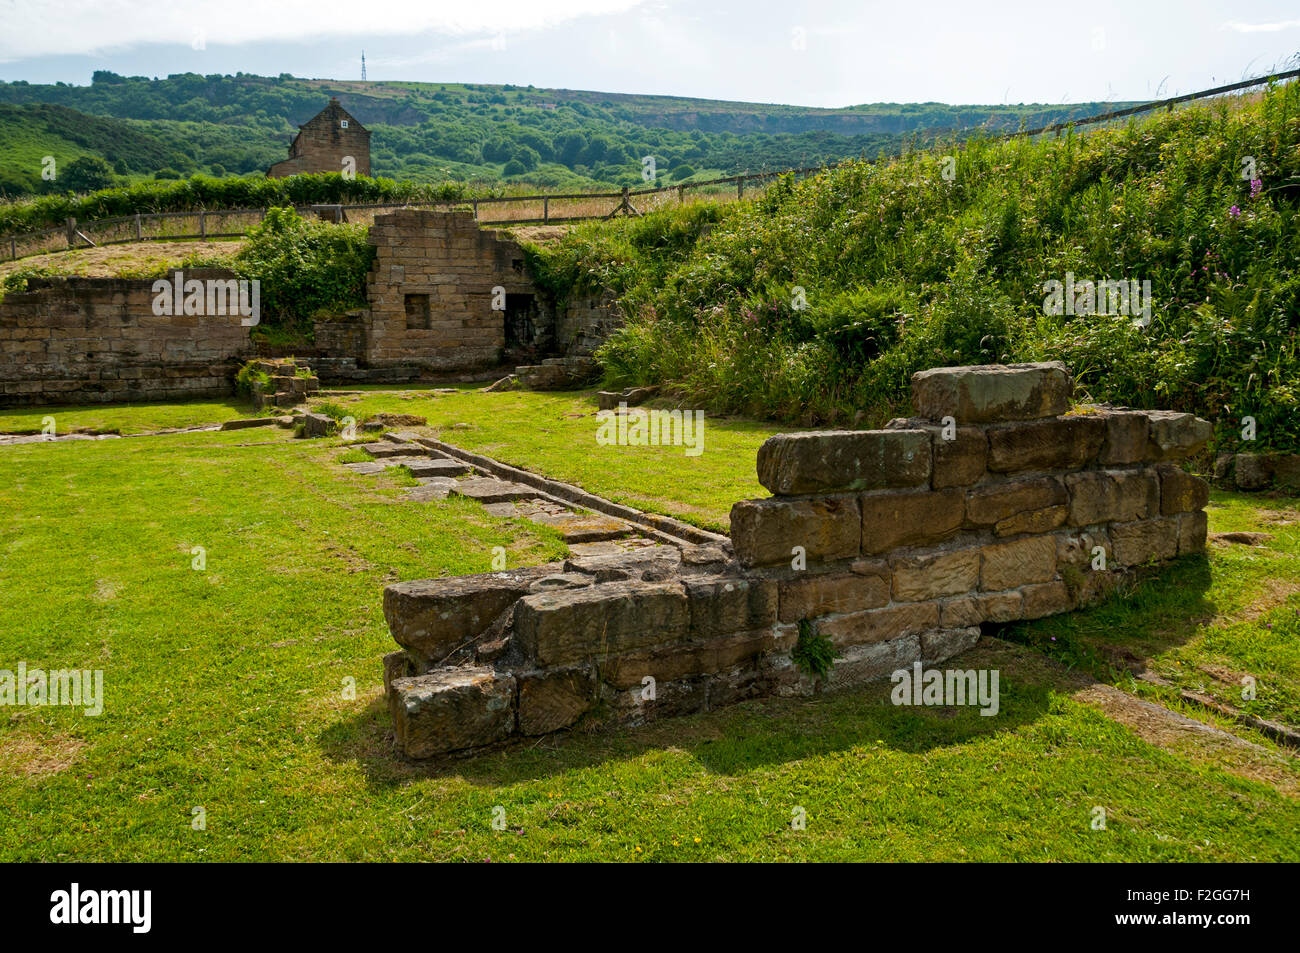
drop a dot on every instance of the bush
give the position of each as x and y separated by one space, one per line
305 267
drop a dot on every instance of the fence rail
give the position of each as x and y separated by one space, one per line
547 208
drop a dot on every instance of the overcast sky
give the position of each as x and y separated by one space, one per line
834 53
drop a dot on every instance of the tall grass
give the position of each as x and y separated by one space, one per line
904 267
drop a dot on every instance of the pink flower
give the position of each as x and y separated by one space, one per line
1234 212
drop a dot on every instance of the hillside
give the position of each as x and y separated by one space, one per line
816 302
431 131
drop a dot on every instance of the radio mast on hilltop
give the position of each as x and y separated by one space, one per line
363 66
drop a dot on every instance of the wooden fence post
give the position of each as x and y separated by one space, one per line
546 209
475 202
138 230
72 231
203 225
13 248
740 187
681 195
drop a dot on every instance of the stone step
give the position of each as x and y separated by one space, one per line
387 449
426 467
487 490
589 528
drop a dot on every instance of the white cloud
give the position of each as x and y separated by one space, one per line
56 27
1262 27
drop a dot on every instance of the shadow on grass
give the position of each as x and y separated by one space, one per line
27 420
732 740
1151 615
1161 609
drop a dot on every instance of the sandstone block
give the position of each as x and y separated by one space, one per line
1137 542
1180 491
1252 471
807 596
1017 563
549 701
933 576
1175 436
964 611
723 606
829 460
1058 443
1102 496
569 625
879 625
451 709
1046 598
1036 504
694 658
432 617
868 661
764 532
1192 529
942 644
1126 437
993 392
909 518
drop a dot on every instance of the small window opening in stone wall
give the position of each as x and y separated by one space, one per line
417 312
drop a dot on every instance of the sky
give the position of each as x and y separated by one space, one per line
808 53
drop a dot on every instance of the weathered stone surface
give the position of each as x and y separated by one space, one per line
1180 491
566 626
1046 598
733 604
387 448
918 578
241 423
1286 471
487 490
879 625
1192 530
434 616
963 611
1224 466
424 467
1058 443
315 425
993 392
688 659
1137 542
551 700
585 528
649 564
1126 437
1017 563
909 518
959 461
868 661
1077 549
451 709
826 461
1175 436
1036 504
1101 496
1253 471
942 644
807 596
397 420
765 531
397 665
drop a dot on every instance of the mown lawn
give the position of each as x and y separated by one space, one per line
124 418
227 689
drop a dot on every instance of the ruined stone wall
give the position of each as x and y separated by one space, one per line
93 340
584 322
893 546
430 291
1258 471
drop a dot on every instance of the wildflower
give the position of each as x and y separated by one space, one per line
1256 186
1234 212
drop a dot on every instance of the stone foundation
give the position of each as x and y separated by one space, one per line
891 546
1258 471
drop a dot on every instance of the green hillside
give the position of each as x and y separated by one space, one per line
465 132
815 302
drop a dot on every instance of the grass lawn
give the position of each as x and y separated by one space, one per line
125 418
555 434
229 689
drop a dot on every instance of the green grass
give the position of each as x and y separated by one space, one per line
555 434
125 418
1204 625
226 690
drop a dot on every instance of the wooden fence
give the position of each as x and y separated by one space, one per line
541 209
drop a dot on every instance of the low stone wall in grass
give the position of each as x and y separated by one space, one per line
1258 471
877 550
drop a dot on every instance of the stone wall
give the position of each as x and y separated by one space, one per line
1258 471
93 340
430 292
324 142
997 503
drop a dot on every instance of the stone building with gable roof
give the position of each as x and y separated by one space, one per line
324 144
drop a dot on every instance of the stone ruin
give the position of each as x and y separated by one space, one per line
997 503
289 383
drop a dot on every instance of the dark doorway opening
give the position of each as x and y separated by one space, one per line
521 321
